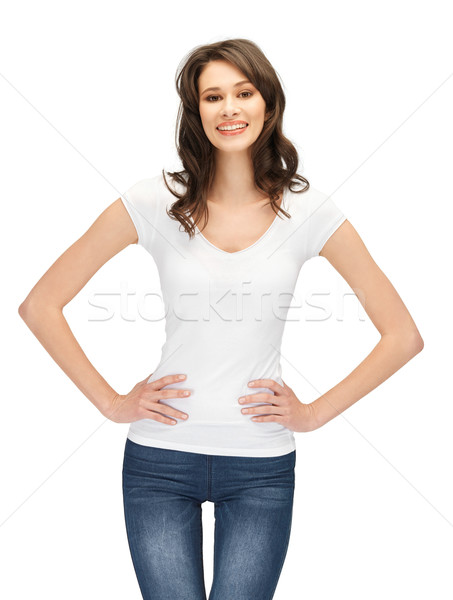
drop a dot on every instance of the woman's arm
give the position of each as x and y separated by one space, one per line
400 339
42 310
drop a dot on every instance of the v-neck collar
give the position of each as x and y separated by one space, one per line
265 234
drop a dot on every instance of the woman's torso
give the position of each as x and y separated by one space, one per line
225 314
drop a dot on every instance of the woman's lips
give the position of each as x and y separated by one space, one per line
233 131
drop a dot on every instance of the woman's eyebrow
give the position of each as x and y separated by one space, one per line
215 89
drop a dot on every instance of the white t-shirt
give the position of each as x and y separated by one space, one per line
225 316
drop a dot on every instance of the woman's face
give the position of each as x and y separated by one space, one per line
229 104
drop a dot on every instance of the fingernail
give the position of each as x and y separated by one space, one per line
184 416
181 376
241 400
251 383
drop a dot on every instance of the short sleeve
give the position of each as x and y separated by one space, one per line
323 220
140 201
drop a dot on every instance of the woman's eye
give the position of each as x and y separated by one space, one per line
209 97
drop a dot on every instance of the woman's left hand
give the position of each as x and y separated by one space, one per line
285 407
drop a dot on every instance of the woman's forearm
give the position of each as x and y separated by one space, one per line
390 354
50 327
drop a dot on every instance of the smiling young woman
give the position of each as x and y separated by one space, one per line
215 421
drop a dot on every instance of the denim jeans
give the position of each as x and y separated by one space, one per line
163 491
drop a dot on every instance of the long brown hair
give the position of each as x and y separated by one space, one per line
195 150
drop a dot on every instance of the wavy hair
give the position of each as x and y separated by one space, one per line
274 157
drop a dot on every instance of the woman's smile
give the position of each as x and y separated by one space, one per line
235 130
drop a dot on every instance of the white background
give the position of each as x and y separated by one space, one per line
88 107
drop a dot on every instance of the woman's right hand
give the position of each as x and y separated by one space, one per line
142 402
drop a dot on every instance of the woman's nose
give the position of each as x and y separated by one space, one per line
229 114
229 107
230 111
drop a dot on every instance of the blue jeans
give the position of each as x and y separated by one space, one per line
163 491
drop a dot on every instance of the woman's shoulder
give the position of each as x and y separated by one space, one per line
305 203
153 189
298 200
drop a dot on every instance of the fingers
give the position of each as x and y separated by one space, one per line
151 414
277 399
158 394
258 397
267 383
166 380
264 410
171 393
146 378
276 411
168 410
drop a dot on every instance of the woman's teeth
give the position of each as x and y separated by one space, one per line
231 127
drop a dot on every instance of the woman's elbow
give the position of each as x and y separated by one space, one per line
415 341
30 308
